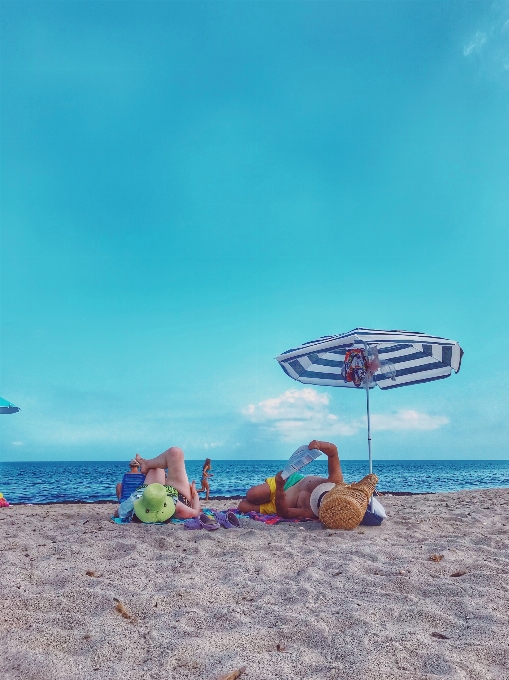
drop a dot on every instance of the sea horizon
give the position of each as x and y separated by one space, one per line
94 481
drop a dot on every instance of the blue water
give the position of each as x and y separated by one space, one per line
94 481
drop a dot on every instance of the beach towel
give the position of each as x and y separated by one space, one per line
275 519
174 520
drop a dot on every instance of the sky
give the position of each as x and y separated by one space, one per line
188 189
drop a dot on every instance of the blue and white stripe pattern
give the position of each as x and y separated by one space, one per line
414 357
7 407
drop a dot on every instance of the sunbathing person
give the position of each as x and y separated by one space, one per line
164 494
299 496
134 469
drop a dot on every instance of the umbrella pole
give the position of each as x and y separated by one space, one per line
369 427
367 380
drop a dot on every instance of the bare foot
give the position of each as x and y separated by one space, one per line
143 464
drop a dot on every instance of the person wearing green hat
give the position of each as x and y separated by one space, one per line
165 493
154 503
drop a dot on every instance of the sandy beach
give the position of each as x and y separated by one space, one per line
425 595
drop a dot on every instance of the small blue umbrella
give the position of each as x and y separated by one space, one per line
7 407
365 358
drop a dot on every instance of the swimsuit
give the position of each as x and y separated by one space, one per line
270 507
182 498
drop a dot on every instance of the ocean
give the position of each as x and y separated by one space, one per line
90 481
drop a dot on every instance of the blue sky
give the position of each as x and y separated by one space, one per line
190 188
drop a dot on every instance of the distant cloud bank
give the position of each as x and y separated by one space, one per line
298 414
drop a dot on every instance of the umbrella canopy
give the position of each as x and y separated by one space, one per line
405 358
7 407
365 357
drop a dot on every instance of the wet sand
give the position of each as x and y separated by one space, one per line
82 597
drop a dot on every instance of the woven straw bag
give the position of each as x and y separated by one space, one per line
345 505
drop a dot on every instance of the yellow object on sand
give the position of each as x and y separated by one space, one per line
270 507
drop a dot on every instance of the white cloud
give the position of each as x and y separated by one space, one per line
301 404
476 44
17 443
407 420
297 415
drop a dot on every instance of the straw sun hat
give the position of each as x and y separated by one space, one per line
345 505
155 505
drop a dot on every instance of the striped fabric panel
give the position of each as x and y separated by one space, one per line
415 357
415 378
319 379
381 338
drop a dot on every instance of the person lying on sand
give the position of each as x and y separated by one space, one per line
299 496
164 494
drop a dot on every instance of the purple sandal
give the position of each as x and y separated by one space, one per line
193 523
203 521
227 519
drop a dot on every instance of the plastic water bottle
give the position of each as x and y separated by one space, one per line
127 507
303 456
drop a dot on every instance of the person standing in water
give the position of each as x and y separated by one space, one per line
205 475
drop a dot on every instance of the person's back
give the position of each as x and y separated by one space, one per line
134 469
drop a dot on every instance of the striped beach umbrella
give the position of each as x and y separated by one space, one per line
7 407
365 358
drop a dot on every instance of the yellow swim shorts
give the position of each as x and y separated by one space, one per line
270 507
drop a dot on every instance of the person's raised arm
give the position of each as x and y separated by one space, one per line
331 451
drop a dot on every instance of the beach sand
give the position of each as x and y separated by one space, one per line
82 597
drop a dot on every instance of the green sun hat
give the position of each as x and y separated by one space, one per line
155 505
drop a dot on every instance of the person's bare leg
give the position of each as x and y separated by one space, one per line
172 460
159 462
157 476
245 506
255 496
119 490
259 494
207 489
